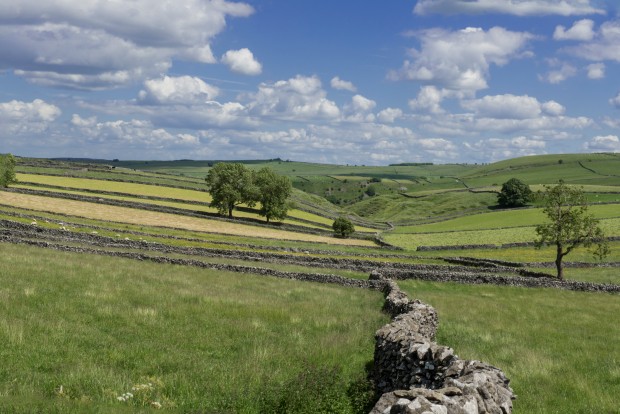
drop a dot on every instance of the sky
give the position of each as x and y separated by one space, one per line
359 82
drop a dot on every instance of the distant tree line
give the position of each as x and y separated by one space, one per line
232 184
411 164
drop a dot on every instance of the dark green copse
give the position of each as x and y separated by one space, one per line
570 224
514 193
343 227
273 193
231 184
7 170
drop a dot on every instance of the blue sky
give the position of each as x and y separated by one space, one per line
348 82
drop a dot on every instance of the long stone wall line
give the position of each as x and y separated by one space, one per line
415 375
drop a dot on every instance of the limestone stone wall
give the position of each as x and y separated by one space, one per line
414 374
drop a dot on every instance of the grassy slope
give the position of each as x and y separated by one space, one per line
97 326
559 348
475 338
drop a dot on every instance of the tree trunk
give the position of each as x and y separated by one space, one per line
558 263
230 209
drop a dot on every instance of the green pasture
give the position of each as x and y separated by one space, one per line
78 331
549 169
400 209
503 218
559 348
498 236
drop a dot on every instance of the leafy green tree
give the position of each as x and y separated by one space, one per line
570 224
7 170
514 193
273 192
343 227
231 184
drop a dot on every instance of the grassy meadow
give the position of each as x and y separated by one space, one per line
78 332
558 348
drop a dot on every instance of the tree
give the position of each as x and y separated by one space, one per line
230 184
7 170
273 192
514 193
570 224
343 227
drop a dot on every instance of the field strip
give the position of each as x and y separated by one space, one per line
117 187
143 217
165 203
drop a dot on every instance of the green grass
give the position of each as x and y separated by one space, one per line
400 209
559 348
411 241
207 341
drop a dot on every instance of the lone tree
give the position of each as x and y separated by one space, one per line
570 224
273 192
343 227
230 184
7 170
514 193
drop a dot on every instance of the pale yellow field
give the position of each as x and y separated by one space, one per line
149 218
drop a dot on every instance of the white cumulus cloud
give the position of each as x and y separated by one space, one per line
513 7
603 143
389 115
108 44
242 61
596 70
183 90
563 71
340 84
301 97
615 101
581 30
504 107
460 60
18 117
604 46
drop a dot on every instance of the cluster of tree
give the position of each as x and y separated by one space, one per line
7 170
232 184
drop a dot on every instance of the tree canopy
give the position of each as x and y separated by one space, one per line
7 170
514 193
231 184
343 227
570 225
273 192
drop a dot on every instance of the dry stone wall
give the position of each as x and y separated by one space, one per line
415 375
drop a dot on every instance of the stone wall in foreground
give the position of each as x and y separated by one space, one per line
416 375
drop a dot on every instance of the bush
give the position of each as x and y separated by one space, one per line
318 389
514 193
